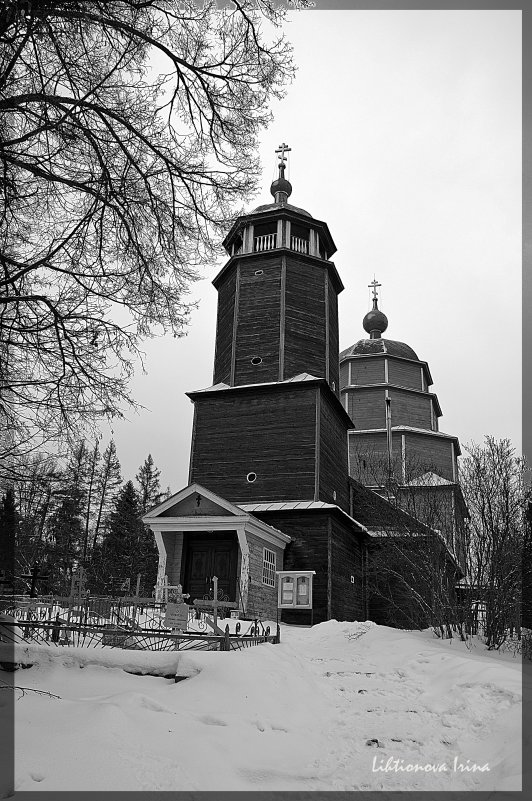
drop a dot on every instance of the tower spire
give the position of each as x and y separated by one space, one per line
281 189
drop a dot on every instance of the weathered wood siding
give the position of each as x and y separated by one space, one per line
334 363
333 455
410 409
262 599
426 453
305 321
367 371
325 543
258 324
433 506
344 374
367 408
368 457
404 374
224 328
270 432
283 309
307 551
347 597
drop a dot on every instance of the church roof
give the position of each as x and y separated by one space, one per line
283 506
296 379
430 479
276 206
376 513
369 347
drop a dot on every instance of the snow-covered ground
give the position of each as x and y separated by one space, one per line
341 706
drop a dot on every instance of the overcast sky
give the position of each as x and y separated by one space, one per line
405 129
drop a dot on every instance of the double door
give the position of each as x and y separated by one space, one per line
206 558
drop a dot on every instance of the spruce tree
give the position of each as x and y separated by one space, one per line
126 550
148 478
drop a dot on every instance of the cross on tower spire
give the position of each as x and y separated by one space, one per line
374 284
282 149
281 188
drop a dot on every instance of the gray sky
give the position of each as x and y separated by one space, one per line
405 129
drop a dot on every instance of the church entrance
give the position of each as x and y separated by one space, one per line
207 556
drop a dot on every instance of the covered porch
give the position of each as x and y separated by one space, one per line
200 535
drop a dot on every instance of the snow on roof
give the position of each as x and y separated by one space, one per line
429 479
294 379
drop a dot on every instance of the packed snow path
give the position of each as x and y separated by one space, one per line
341 706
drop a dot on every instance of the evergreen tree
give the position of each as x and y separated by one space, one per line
66 527
148 478
126 549
8 534
108 482
92 478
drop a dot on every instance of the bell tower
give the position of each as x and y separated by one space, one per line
278 295
272 427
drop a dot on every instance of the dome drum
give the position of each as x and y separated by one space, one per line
274 226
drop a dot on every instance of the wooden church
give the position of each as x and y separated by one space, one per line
269 483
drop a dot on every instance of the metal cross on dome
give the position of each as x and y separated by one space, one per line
374 284
282 149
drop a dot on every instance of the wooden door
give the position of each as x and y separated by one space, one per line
208 558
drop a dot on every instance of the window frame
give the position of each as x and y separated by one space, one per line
268 567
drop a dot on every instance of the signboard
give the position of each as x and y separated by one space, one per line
295 589
176 616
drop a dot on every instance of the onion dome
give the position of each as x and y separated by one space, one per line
375 322
281 189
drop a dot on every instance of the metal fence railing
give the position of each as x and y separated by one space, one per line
128 622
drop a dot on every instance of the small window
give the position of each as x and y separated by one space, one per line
268 567
259 272
251 477
256 360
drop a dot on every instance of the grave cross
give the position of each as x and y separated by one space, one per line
215 603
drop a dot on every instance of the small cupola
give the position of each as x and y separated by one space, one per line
281 189
375 322
277 225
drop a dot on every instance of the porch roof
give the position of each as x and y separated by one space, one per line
222 516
